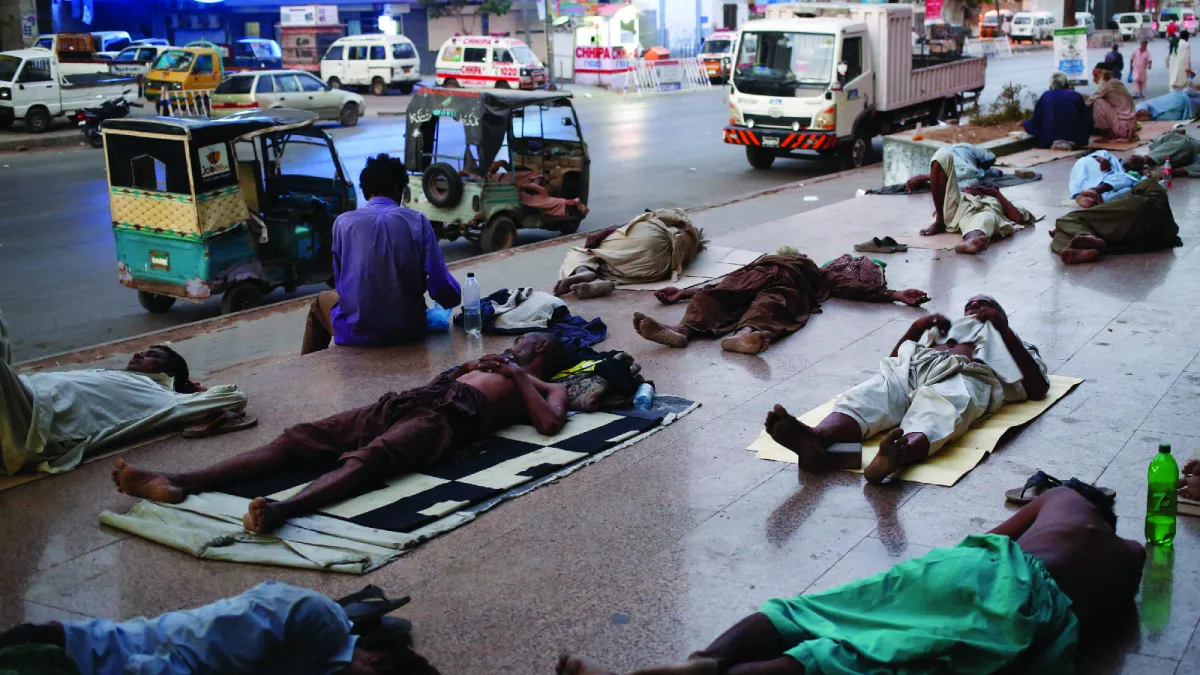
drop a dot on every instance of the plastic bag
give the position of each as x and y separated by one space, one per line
1130 79
437 319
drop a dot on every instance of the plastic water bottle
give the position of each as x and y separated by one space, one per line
1161 501
644 396
1167 173
472 316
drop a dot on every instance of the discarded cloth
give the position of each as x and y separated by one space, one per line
526 309
605 381
1087 174
1139 223
978 608
49 421
654 246
575 332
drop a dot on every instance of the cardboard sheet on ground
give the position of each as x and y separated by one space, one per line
1033 157
955 459
945 241
1147 132
713 263
366 532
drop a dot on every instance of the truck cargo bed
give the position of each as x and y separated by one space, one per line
95 79
943 79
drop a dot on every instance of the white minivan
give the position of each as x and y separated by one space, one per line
1130 24
481 61
375 61
1032 26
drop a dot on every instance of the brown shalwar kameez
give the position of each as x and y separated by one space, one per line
441 422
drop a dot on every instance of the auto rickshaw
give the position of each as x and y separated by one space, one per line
456 136
202 207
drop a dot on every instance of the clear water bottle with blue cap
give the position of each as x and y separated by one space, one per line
472 316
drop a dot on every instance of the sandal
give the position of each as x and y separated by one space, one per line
881 245
226 422
368 609
1034 487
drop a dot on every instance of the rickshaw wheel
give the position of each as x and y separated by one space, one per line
244 295
500 234
155 303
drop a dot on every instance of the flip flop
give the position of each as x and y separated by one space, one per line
1037 484
226 422
367 610
878 245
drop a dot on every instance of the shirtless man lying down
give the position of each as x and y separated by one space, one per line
442 422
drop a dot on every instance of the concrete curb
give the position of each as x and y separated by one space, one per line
52 139
184 331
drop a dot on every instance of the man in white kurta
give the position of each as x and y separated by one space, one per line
654 246
1181 63
49 421
942 377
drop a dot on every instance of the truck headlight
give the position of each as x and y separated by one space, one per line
735 117
826 119
5 94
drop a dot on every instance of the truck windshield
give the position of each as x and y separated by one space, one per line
8 67
175 60
776 64
716 47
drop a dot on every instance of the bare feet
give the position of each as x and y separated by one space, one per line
1087 241
656 332
593 289
887 462
935 228
564 285
262 516
973 245
146 484
750 342
796 436
569 665
1078 256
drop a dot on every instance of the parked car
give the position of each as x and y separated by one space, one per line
1083 19
153 42
1032 26
110 42
1183 16
34 91
286 89
482 61
376 61
257 53
135 61
1131 24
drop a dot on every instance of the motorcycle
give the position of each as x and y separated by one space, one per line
90 119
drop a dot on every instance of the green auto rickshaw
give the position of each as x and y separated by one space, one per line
236 207
467 148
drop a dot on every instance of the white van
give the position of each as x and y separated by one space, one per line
1032 26
376 61
481 61
1130 24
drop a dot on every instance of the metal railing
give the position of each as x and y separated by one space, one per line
664 75
188 103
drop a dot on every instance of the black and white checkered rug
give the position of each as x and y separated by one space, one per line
515 460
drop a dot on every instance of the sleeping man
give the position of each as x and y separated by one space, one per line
442 422
941 377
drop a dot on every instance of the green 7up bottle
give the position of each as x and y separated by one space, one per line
1161 502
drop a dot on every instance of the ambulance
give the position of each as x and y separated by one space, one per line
482 61
717 54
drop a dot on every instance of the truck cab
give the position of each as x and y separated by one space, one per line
186 69
34 90
826 78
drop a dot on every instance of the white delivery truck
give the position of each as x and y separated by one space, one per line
827 78
33 89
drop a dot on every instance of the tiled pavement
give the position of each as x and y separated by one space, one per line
647 555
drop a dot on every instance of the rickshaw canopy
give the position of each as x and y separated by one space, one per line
201 129
485 116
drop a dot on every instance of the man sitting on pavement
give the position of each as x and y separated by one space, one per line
1017 599
1061 115
49 421
272 628
769 299
1139 222
941 377
655 245
385 256
980 214
1099 178
1113 110
442 422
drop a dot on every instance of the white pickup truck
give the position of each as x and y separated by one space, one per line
829 77
35 91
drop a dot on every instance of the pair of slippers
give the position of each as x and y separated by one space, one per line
881 245
1042 482
221 422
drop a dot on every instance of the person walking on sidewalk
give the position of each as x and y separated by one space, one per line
385 256
1140 63
1181 63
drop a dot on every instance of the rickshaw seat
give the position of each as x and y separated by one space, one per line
248 175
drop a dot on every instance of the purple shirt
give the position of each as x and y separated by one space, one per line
382 254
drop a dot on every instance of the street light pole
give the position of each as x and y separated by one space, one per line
551 84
